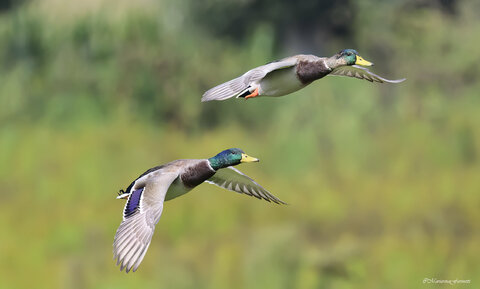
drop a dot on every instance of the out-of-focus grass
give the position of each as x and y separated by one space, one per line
382 181
395 222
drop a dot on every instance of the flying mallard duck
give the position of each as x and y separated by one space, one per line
145 197
293 73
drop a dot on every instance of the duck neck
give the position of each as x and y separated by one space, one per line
217 163
334 62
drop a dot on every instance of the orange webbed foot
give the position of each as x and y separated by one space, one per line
253 94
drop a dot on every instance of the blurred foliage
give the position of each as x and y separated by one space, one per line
382 180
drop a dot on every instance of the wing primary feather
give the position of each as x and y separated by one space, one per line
362 73
140 258
225 90
239 182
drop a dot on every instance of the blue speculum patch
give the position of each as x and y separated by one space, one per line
133 202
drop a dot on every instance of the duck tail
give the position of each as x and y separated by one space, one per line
122 195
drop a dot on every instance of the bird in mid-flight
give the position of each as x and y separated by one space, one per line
146 195
293 73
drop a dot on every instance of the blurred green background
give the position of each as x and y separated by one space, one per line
382 181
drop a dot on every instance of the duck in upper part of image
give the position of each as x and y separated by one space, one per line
146 195
293 73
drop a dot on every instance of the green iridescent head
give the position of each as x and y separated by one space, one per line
351 57
230 157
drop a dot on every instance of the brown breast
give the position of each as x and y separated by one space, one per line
197 174
308 71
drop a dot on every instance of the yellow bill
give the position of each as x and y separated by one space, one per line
360 61
248 159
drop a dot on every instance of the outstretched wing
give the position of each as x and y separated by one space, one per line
232 179
240 84
361 73
142 212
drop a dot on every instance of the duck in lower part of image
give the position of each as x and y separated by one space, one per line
146 195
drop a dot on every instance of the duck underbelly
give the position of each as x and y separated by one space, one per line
193 173
176 189
280 82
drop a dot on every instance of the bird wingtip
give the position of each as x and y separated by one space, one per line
206 97
399 80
